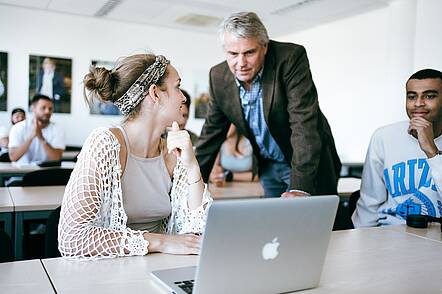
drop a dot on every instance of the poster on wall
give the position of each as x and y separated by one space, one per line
201 94
3 81
104 108
51 76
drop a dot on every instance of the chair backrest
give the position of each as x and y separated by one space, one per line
51 237
354 197
4 157
47 177
72 148
6 249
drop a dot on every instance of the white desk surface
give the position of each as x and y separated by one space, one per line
69 155
352 163
374 260
26 276
6 204
36 198
10 167
432 232
370 260
346 186
117 275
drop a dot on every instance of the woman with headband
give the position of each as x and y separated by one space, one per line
133 192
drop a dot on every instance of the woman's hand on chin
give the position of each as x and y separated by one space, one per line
179 143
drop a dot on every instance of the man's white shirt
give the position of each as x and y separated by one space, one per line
21 131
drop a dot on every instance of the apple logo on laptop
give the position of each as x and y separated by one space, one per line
270 249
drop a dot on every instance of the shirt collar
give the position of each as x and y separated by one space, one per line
257 78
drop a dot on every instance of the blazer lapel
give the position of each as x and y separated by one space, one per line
233 103
268 84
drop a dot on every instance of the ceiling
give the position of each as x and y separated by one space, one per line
280 16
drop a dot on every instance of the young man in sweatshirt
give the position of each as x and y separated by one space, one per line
403 168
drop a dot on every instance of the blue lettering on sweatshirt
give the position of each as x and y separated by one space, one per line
418 172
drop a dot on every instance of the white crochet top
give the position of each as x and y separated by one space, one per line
93 220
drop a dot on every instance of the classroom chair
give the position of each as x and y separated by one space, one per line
51 237
47 177
6 248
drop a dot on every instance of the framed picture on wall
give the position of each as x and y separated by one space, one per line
201 104
98 107
51 76
3 81
201 94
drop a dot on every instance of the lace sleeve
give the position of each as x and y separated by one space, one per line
183 219
92 219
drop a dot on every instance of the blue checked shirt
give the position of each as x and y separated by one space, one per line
251 102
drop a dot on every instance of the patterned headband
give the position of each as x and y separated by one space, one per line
134 95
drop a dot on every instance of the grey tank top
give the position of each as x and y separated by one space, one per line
145 185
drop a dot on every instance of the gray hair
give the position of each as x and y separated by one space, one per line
244 25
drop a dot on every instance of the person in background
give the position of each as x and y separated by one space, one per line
17 115
37 139
2 88
4 139
186 110
51 83
402 173
133 192
234 161
265 88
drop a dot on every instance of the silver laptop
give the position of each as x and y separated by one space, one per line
259 246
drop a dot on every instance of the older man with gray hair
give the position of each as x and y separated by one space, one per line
265 89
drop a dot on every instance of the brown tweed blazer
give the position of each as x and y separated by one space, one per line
292 114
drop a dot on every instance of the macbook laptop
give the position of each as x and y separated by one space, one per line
259 246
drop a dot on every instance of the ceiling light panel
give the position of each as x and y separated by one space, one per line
82 7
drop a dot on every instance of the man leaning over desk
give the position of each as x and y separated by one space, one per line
265 89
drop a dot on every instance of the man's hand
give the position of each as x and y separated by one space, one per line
422 130
36 130
293 194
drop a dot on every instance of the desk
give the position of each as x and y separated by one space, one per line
32 203
117 275
373 260
346 186
232 190
8 169
69 155
432 232
351 168
26 276
6 211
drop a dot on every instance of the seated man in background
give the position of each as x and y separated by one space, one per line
17 115
37 139
403 168
185 110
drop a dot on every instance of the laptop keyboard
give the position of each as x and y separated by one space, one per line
186 286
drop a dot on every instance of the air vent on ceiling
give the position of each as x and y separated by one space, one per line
288 9
108 7
198 20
